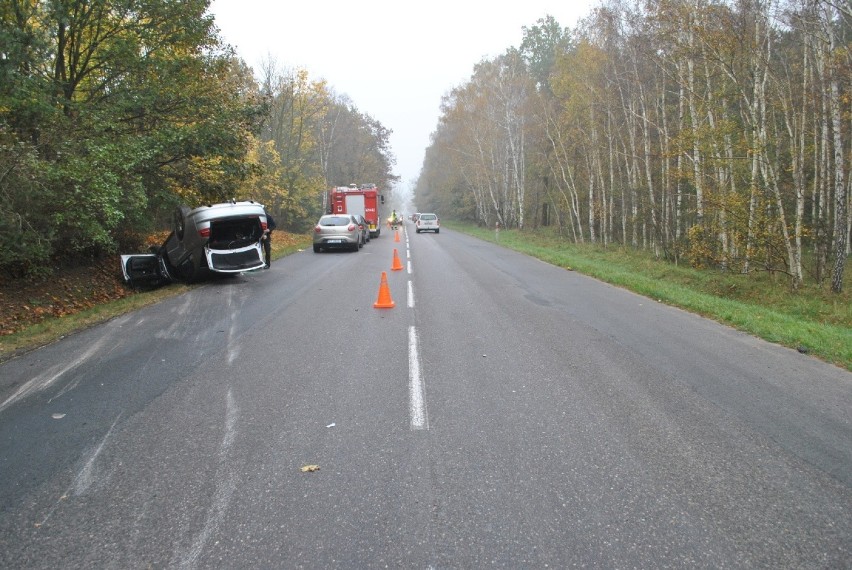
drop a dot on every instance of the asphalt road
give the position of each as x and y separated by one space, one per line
505 413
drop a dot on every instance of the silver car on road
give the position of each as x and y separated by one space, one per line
337 231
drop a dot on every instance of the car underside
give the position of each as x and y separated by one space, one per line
221 238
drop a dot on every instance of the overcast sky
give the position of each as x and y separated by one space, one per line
394 59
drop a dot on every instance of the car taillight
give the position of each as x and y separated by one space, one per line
263 226
351 227
317 229
204 232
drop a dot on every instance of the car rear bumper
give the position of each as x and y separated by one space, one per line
336 242
235 260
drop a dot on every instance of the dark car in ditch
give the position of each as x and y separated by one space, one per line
218 238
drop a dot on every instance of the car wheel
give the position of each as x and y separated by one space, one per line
437 231
317 248
180 221
356 246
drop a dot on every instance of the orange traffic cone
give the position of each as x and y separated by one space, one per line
396 236
397 264
384 301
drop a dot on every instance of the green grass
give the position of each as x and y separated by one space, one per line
762 304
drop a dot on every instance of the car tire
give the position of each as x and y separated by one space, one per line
180 221
437 231
317 248
418 231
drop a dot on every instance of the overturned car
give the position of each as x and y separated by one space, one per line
219 238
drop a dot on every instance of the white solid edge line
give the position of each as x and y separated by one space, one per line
417 407
410 295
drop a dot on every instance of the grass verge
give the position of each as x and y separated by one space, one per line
812 319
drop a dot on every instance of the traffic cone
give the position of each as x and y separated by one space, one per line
396 236
397 264
384 301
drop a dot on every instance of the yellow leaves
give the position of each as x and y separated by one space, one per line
310 468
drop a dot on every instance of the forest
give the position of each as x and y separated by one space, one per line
115 112
713 133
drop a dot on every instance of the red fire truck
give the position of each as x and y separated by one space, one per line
361 199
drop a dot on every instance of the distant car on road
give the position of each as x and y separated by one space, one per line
365 228
428 223
337 231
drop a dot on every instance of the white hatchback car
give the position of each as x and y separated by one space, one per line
428 223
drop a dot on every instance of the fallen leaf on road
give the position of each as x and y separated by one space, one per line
310 468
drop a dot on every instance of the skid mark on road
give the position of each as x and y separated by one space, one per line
226 484
179 324
233 350
48 378
85 477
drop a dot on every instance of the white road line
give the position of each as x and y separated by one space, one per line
410 295
417 406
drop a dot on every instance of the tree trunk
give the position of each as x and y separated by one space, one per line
840 220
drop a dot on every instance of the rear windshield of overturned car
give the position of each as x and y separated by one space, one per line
335 221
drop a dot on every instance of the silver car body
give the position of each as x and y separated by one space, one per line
223 238
365 228
337 231
227 235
